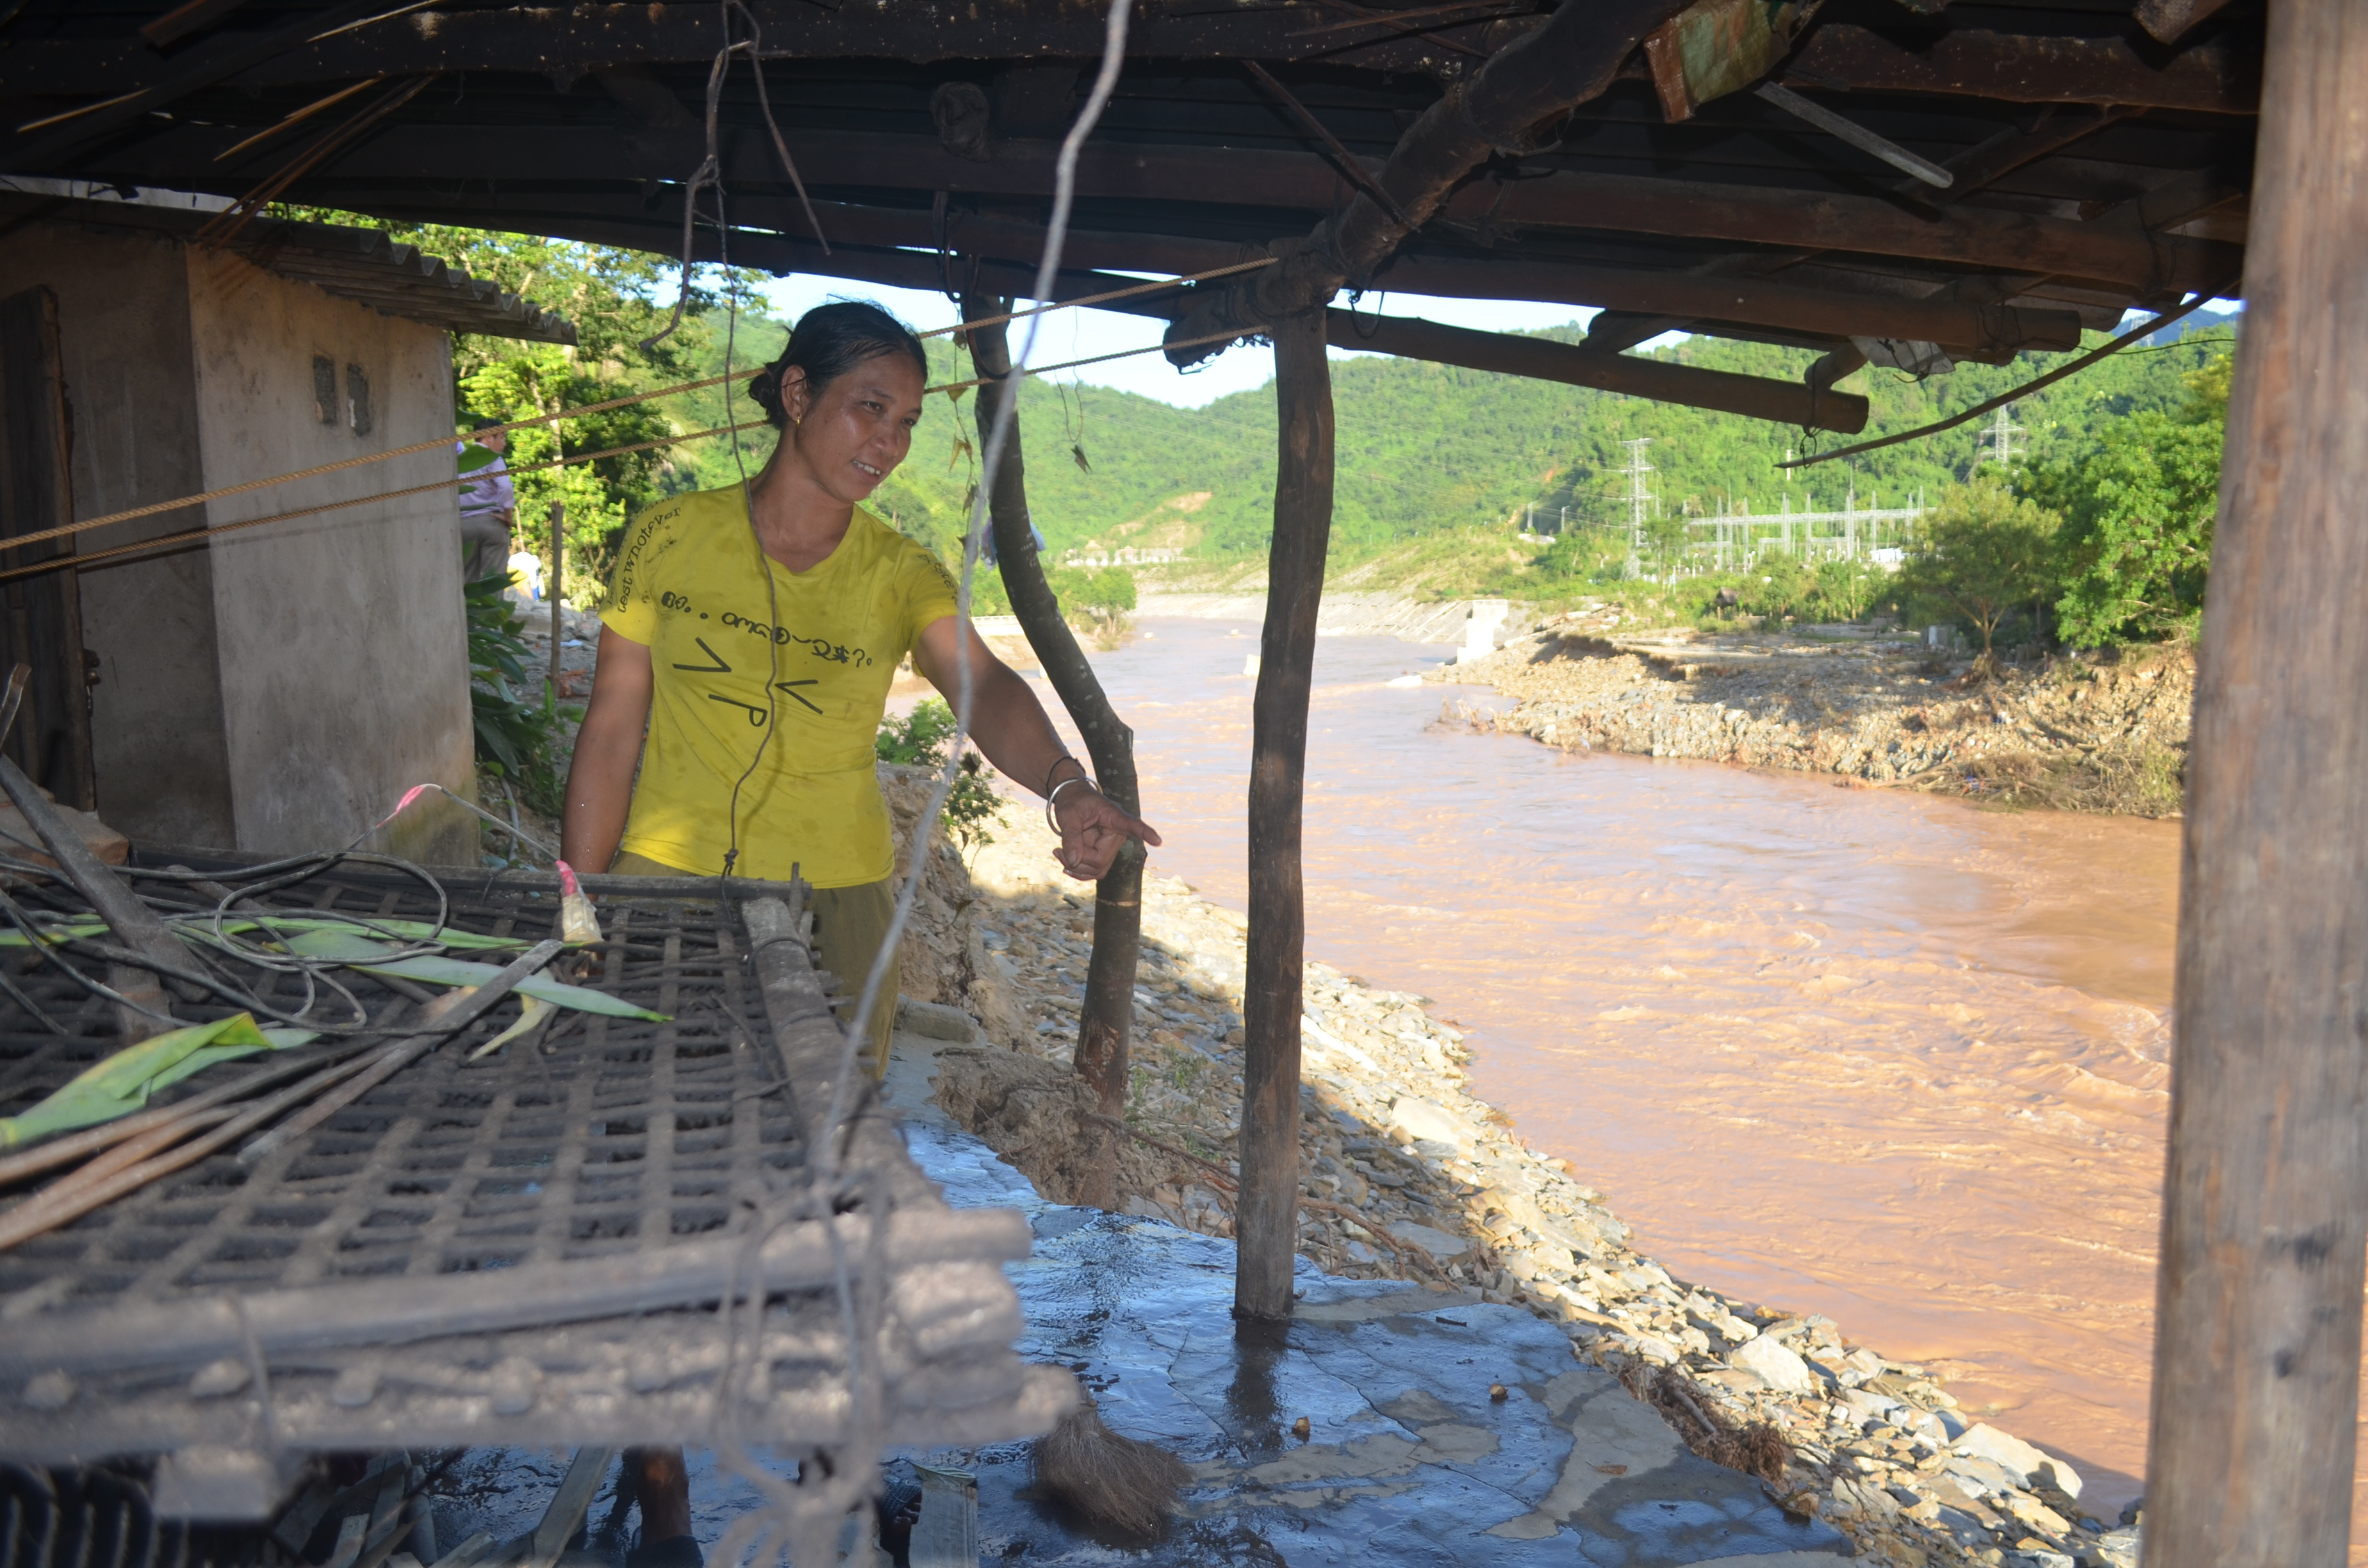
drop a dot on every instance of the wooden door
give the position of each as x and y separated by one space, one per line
43 614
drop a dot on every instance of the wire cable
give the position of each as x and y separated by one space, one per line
1064 191
2142 330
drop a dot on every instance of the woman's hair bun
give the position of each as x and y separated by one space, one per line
829 341
766 390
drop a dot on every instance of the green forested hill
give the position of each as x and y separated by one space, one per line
1426 447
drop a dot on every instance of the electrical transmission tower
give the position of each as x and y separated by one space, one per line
1639 498
1999 440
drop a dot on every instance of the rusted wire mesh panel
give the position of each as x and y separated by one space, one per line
607 1135
607 1231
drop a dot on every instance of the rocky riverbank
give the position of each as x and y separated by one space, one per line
2094 733
1408 1176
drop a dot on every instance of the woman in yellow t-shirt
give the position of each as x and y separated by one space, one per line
745 655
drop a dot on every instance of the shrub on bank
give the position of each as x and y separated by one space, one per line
2138 511
1983 554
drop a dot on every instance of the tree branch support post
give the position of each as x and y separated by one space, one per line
1106 1021
1266 1224
2265 1198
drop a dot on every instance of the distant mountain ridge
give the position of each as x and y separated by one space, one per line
1423 447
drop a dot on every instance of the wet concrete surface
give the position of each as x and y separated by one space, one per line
1408 1460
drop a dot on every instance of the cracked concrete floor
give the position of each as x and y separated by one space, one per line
1409 1458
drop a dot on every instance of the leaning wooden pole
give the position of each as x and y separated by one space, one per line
1267 1217
1105 1019
2265 1203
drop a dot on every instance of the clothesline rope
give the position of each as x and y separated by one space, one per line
442 442
141 550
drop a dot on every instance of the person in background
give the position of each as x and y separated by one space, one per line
488 502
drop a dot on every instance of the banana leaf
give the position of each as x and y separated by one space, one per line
201 929
358 952
409 930
121 1084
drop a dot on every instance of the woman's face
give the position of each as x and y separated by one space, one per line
854 433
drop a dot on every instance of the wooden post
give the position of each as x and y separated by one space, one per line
43 615
1105 1019
2265 1200
558 558
1266 1221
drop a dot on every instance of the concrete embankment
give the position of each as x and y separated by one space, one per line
1408 1175
2084 733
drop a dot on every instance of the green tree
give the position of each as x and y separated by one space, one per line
1984 553
1095 599
1844 588
2138 511
615 299
1667 545
1778 586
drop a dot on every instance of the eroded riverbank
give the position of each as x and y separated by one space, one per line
2092 734
1411 1175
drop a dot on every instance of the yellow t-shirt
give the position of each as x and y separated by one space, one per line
687 586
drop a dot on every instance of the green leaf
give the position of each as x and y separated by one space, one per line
359 952
408 930
201 928
532 1010
66 931
121 1084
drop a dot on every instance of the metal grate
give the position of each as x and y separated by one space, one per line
609 1135
535 1248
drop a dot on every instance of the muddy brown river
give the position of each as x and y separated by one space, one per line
1897 1060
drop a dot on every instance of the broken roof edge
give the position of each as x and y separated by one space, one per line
365 266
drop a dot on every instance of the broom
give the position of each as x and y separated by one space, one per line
1120 1481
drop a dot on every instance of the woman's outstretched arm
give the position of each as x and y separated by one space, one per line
600 780
1011 728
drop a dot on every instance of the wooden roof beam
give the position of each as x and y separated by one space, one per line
1542 360
1981 236
2019 69
2050 130
166 82
570 40
1963 235
1977 329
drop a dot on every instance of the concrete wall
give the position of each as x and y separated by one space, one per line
157 739
341 638
276 690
